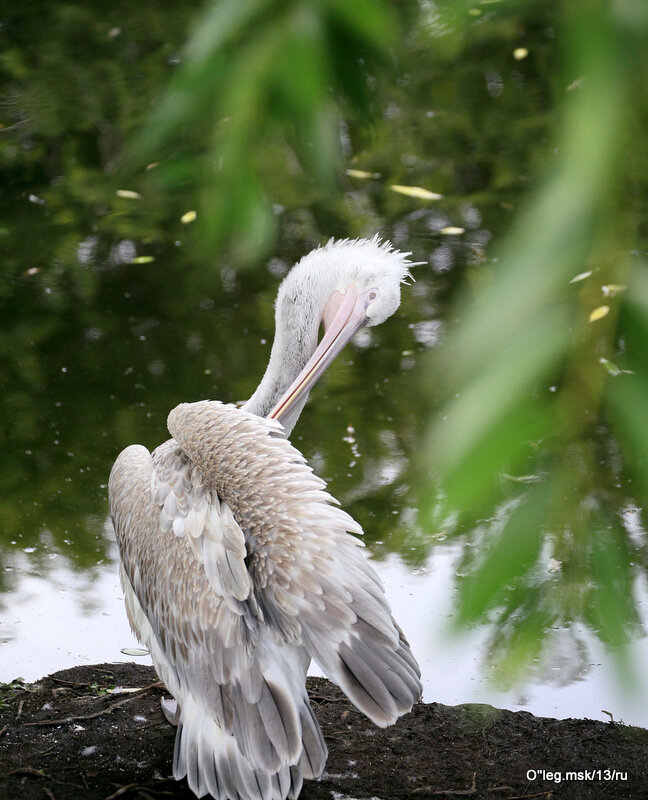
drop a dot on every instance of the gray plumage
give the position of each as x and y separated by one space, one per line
238 567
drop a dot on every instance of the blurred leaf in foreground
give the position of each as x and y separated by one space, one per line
526 386
257 81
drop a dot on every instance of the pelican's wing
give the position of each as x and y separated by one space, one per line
190 508
311 580
245 719
183 556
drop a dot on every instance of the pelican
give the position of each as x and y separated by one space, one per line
238 567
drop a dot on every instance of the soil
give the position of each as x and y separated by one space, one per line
83 733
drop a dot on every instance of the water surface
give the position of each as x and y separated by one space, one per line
113 311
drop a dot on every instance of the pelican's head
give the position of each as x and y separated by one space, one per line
345 285
372 269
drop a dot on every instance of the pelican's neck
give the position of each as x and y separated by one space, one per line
301 301
297 319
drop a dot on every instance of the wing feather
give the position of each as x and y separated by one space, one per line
190 601
311 581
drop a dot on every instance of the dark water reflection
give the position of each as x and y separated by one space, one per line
112 311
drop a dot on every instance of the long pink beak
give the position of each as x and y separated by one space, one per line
345 315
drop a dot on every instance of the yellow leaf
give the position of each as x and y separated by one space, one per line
612 289
581 276
188 216
141 260
361 173
450 230
128 194
599 313
520 53
416 191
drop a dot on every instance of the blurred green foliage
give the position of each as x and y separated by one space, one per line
527 427
253 114
545 377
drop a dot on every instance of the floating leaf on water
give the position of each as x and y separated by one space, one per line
612 368
134 651
575 84
581 276
415 191
128 194
361 173
520 53
612 289
187 217
451 230
599 313
522 478
141 260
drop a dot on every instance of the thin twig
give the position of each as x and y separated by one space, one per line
27 771
454 792
143 790
39 773
69 683
122 790
106 710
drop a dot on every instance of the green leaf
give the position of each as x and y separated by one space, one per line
612 609
372 22
505 379
223 21
514 552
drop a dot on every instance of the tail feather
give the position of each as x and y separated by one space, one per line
314 751
268 731
214 764
211 761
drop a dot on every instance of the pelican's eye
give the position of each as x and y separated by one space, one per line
373 293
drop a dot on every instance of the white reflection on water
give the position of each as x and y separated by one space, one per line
62 620
65 620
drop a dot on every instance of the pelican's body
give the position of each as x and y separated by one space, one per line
238 567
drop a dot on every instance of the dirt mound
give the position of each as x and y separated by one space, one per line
84 733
